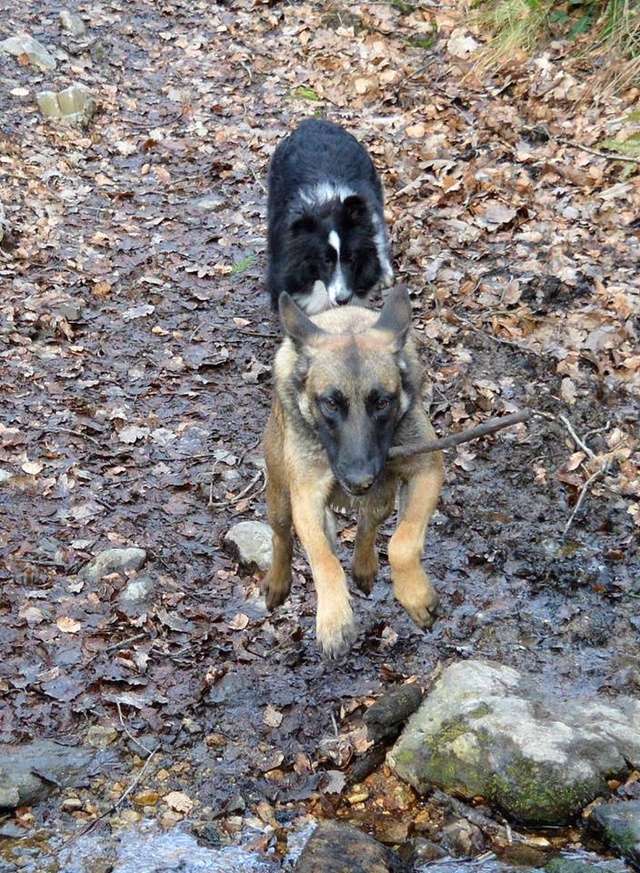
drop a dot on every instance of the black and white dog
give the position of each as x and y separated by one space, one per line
328 243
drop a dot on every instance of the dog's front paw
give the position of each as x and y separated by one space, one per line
276 589
421 602
335 629
364 572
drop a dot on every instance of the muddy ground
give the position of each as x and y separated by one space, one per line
135 348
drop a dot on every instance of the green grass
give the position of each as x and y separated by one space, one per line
607 27
243 264
303 92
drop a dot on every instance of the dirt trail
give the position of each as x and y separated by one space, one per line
134 353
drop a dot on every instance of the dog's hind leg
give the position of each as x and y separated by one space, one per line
335 627
411 585
277 583
365 559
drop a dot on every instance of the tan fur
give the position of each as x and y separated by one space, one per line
301 485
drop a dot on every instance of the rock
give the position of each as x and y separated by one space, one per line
488 731
5 476
250 542
390 711
38 55
336 848
31 771
72 23
619 824
112 561
100 736
569 864
423 851
74 104
462 838
136 592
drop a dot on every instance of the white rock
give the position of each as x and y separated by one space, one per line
251 542
34 50
113 561
72 23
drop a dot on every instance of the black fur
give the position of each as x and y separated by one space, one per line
320 155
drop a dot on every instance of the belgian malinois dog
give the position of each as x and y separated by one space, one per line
348 387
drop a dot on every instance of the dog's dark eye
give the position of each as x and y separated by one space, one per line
383 403
346 258
329 405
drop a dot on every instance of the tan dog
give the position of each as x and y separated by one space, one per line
347 387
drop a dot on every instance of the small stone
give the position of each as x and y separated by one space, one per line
74 104
71 804
146 798
463 839
5 475
38 55
358 796
100 736
250 541
136 592
113 561
426 850
191 726
130 816
72 23
335 847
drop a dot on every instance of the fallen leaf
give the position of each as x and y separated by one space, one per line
179 801
132 433
568 391
68 625
32 467
272 717
239 621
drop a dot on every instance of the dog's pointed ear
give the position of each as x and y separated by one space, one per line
355 209
395 317
295 323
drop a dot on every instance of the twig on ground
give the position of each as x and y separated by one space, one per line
580 443
454 439
128 732
610 156
224 503
116 804
583 493
125 642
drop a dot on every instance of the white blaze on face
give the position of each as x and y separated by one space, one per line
338 290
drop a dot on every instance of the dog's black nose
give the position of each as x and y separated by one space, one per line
342 301
358 482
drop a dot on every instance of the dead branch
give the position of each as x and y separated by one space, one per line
465 436
609 156
580 443
583 493
223 503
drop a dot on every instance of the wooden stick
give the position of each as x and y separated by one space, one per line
610 156
454 439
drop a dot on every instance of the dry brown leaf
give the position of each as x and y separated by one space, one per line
68 625
272 717
179 801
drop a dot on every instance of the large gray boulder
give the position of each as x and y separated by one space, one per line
487 730
29 772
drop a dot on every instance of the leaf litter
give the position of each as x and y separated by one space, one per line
136 341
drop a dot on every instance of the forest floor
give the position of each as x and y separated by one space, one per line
135 349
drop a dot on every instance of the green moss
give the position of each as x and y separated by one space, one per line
243 264
303 92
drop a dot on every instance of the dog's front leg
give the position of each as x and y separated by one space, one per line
335 628
411 585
